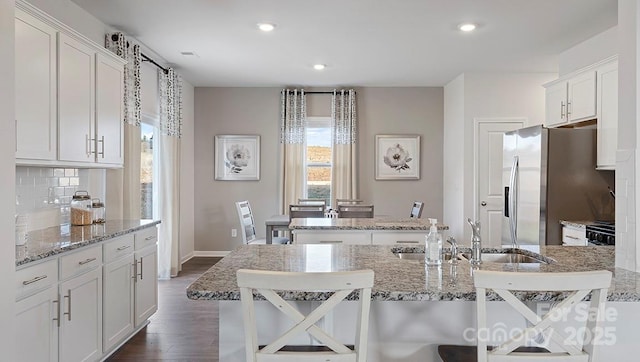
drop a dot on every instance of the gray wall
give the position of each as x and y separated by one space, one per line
257 111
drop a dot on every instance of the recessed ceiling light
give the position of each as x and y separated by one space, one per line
467 27
266 27
319 66
190 54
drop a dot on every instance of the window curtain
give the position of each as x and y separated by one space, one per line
344 176
169 171
123 185
293 115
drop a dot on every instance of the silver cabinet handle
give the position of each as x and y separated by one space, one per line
36 279
571 237
150 237
568 109
86 261
561 109
330 241
141 270
57 318
123 247
407 242
88 145
68 312
101 140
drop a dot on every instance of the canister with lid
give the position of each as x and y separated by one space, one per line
98 211
81 208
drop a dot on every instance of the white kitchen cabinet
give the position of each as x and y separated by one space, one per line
349 237
35 88
118 291
69 95
37 313
76 100
109 111
570 100
146 274
607 98
574 235
81 317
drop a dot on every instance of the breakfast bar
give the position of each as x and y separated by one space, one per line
414 308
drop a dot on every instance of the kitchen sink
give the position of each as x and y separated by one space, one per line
418 256
504 258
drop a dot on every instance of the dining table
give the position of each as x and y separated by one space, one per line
276 222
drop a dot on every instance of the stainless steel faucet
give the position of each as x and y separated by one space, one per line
476 255
454 250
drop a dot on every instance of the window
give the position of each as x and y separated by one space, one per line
318 158
148 174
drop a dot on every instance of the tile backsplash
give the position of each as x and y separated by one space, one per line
44 194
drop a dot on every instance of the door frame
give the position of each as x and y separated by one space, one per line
477 121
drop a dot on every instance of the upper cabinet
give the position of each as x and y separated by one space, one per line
607 115
69 95
571 100
35 88
590 93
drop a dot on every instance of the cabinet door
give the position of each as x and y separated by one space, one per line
35 87
36 327
581 103
555 104
81 324
607 115
146 287
76 78
109 110
118 301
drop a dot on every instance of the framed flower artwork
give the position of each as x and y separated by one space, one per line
397 157
237 157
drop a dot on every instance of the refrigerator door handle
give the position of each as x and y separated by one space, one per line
513 201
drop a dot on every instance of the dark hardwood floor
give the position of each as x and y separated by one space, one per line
181 329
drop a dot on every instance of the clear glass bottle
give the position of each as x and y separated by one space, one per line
433 245
98 211
81 208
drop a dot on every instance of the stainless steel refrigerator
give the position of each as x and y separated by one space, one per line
549 174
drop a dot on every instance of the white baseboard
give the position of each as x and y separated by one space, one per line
211 254
186 258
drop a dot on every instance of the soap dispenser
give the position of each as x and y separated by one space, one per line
433 245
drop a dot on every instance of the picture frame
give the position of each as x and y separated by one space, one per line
237 157
397 157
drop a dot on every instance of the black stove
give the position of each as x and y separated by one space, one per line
601 233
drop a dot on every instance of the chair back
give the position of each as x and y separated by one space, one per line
304 210
576 286
416 209
347 202
341 284
247 223
355 211
322 202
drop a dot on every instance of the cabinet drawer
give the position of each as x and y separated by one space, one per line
574 236
118 248
36 278
146 237
393 238
330 237
80 262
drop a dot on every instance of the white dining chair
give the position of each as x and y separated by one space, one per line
521 346
248 226
340 284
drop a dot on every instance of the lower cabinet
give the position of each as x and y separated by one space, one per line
36 326
78 308
81 317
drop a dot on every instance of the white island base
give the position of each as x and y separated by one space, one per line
410 331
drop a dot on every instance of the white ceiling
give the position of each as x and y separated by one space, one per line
362 42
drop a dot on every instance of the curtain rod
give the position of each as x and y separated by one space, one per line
312 92
147 59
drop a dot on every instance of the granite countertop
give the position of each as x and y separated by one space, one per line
402 280
59 239
579 223
376 223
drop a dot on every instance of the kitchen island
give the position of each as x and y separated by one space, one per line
361 231
413 308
